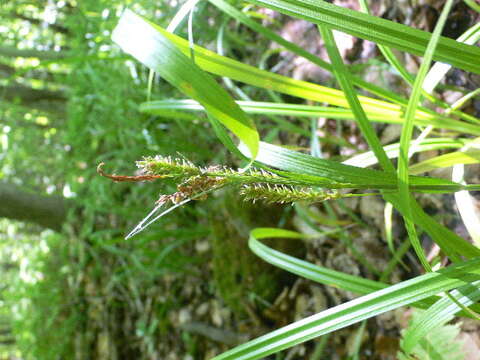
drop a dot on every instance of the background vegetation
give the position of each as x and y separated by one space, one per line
189 287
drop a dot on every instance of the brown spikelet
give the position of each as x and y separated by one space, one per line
194 187
120 178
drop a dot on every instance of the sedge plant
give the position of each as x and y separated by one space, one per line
278 174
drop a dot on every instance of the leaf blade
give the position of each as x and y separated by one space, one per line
378 30
356 310
151 45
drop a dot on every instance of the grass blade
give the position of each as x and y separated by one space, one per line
328 173
342 77
305 269
439 70
378 30
164 108
439 314
223 66
314 168
319 274
471 156
269 34
151 46
368 158
467 38
354 311
407 131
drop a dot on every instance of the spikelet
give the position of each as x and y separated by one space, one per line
282 194
182 170
251 176
257 184
174 168
195 188
195 183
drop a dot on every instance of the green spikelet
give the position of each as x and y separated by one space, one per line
252 176
182 170
284 194
174 168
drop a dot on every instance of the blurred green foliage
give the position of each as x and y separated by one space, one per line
86 293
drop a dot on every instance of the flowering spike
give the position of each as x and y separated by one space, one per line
284 194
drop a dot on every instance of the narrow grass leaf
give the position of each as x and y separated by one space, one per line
372 88
387 52
393 60
472 5
294 48
368 158
319 274
342 77
407 130
376 29
439 70
151 45
223 66
305 269
181 15
354 311
471 156
161 107
328 173
444 241
466 203
318 170
439 314
463 100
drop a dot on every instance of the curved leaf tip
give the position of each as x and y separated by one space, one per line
151 45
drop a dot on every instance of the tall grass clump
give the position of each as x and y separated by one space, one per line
277 173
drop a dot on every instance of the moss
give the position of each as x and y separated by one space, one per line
241 278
